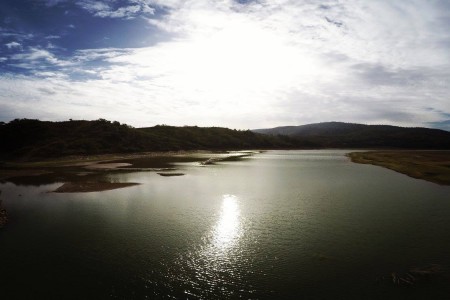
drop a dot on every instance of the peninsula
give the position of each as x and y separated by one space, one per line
432 166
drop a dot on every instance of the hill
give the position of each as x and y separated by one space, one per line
27 139
33 139
348 135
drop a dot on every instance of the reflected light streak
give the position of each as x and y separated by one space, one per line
216 262
226 232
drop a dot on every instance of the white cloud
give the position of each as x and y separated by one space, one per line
99 54
13 45
108 9
266 63
37 57
18 36
94 6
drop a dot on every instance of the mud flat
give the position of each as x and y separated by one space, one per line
9 173
89 174
433 166
86 187
171 174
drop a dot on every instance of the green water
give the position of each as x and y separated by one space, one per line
276 225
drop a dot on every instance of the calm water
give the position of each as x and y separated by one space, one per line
277 225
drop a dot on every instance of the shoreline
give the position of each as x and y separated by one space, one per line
429 165
85 160
87 187
102 162
3 217
88 173
3 214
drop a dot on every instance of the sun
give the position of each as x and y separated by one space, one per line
241 58
235 60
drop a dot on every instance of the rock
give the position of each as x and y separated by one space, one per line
3 216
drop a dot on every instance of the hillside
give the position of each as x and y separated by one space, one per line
347 135
33 139
27 139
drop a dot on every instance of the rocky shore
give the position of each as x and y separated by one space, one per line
3 215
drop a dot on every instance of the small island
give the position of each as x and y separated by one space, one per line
433 166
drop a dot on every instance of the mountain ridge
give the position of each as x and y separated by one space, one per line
260 130
341 134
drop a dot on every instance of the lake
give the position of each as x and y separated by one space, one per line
275 225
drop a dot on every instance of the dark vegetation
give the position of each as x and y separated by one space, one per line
28 140
347 135
33 139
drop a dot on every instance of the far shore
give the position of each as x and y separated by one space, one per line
429 165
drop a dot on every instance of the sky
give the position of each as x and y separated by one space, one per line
241 64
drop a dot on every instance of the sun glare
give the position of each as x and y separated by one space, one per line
230 62
226 230
237 59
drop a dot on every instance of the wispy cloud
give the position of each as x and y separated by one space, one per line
52 37
17 35
110 9
103 54
52 2
37 58
13 45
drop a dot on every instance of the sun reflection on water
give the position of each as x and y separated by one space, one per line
225 234
214 266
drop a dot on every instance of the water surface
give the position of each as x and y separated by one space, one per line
276 225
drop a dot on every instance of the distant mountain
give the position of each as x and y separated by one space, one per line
348 135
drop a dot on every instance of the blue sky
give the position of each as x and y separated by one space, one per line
239 64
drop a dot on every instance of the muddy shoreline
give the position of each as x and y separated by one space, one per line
89 173
433 166
86 187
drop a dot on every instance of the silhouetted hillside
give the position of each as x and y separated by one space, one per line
34 139
347 135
